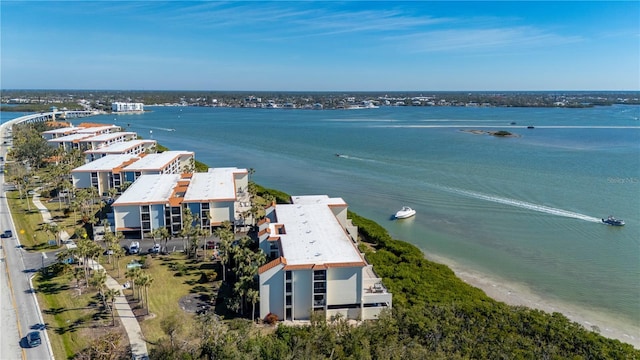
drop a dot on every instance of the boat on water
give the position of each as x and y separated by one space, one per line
613 221
405 212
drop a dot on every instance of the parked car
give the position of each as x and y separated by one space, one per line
134 248
155 249
211 244
34 339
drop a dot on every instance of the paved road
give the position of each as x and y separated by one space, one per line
20 313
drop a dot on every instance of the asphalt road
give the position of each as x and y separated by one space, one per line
20 312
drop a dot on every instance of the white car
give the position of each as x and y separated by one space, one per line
155 249
134 248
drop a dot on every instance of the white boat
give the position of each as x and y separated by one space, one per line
405 212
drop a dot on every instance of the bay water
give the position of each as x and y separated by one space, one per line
526 209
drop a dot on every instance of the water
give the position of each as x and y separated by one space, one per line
526 209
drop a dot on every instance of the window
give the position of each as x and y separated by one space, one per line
319 288
320 275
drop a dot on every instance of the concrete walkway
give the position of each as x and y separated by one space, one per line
125 314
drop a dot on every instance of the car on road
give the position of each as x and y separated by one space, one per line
7 234
34 339
155 249
134 248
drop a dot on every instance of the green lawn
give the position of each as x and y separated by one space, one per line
73 316
28 221
174 276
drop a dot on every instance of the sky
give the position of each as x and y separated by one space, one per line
320 46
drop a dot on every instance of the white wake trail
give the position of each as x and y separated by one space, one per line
524 205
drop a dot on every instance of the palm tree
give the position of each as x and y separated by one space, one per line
188 228
226 238
52 228
110 297
161 233
98 281
118 253
254 296
143 282
133 274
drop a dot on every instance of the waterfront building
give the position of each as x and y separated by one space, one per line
59 132
88 140
112 171
102 174
158 200
315 263
83 128
168 162
127 107
132 147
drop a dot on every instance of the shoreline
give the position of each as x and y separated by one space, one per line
517 295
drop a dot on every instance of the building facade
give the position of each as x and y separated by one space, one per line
315 264
159 200
126 107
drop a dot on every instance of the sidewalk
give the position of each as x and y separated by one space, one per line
125 314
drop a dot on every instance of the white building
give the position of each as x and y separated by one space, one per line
102 174
127 107
316 264
168 162
155 201
131 147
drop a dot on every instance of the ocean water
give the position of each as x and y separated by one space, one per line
525 209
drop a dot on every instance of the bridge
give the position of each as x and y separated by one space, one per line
53 115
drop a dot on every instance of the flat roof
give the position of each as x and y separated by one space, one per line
105 163
156 161
71 138
313 235
216 184
62 130
120 147
109 136
317 199
149 189
96 129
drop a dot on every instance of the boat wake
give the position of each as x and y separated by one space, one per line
354 158
524 205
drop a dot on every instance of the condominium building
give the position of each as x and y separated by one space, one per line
126 107
168 162
131 147
102 174
83 128
155 201
316 264
86 138
112 171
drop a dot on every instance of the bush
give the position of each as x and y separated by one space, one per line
271 319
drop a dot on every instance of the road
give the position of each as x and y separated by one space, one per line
20 312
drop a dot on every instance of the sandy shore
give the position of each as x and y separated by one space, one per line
513 294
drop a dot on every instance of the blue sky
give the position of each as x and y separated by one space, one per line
320 46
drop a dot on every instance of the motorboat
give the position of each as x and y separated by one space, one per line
613 221
405 212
